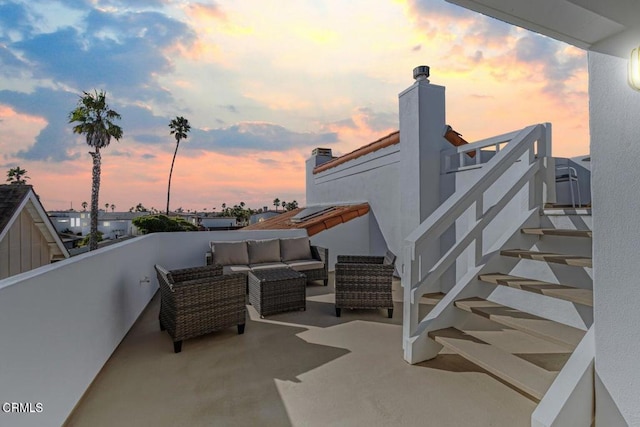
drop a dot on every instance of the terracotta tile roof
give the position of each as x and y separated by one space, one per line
450 135
391 139
335 216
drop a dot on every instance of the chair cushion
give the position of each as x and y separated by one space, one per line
295 248
305 264
267 265
261 251
230 253
228 269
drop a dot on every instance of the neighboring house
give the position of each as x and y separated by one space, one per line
112 224
28 239
218 223
263 216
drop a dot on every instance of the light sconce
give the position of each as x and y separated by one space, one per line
634 69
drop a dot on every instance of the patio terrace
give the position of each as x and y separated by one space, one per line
293 369
63 322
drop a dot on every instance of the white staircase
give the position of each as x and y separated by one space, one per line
521 272
532 367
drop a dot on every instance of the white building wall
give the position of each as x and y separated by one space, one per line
360 236
61 322
615 143
401 182
372 178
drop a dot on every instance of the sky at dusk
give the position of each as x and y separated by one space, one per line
262 84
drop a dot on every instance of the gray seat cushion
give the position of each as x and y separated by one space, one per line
305 264
228 269
265 265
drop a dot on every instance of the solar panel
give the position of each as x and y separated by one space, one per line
310 212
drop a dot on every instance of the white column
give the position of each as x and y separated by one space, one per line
422 122
614 113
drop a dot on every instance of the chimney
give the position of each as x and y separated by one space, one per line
321 155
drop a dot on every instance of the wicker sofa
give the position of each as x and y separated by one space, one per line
364 282
249 255
196 301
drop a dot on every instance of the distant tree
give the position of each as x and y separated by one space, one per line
106 207
283 204
162 223
179 129
276 203
87 239
140 208
17 176
84 206
113 207
292 205
95 120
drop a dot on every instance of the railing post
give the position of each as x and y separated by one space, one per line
548 167
409 318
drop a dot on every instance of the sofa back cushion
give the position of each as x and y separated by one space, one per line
295 249
230 253
264 251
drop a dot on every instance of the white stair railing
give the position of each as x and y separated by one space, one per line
522 163
472 156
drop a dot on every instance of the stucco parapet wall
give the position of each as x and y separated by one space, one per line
391 139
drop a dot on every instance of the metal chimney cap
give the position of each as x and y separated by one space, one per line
421 72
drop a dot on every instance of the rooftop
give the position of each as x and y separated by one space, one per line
391 139
299 368
328 218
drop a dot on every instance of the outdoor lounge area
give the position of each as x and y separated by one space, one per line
300 368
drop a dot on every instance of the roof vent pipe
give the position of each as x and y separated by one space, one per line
421 72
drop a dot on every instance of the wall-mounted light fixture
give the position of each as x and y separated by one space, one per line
634 69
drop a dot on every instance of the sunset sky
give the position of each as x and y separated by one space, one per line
262 83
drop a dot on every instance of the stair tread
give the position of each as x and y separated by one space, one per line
546 329
573 260
526 376
564 292
557 232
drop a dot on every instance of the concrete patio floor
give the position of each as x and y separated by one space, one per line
304 368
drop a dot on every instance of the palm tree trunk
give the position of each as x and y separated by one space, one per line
95 189
171 173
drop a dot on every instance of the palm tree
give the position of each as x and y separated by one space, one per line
96 121
84 206
283 204
17 176
106 207
113 207
276 203
179 128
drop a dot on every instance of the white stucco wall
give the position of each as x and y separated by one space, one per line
360 236
372 178
615 140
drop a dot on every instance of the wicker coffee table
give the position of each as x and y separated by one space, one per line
277 290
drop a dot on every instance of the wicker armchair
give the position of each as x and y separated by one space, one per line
196 301
364 282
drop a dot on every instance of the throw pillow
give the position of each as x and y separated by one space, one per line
295 249
264 251
230 253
